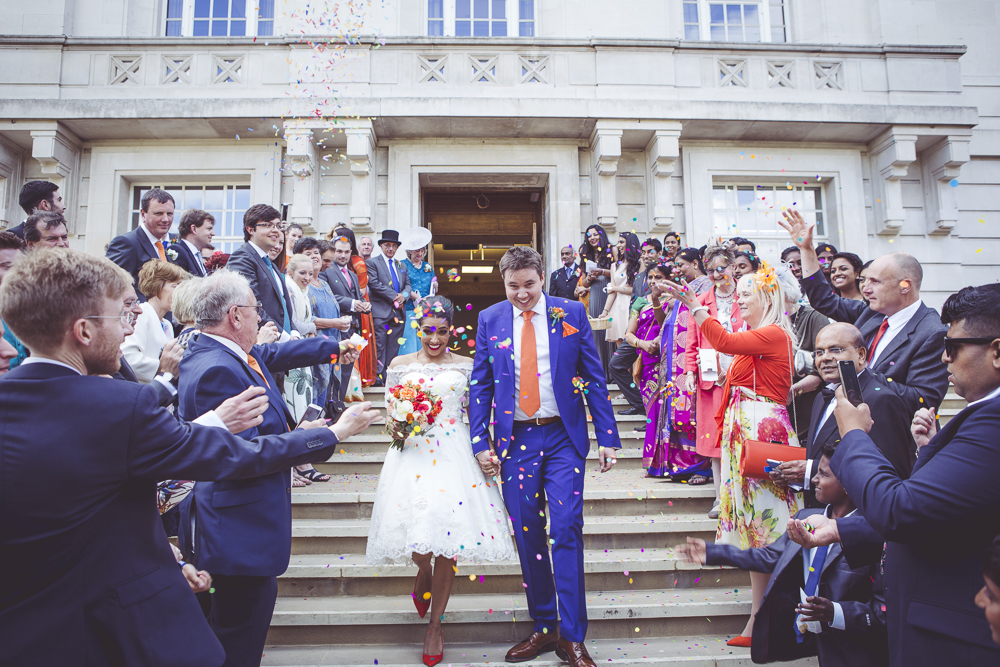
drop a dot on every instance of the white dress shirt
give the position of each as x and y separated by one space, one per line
152 239
896 323
42 360
142 349
547 407
230 344
197 255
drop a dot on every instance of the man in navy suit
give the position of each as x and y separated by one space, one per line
262 231
242 529
37 196
133 249
96 582
937 530
903 336
563 280
846 619
891 432
197 229
535 356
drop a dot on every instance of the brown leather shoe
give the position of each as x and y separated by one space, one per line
575 653
537 642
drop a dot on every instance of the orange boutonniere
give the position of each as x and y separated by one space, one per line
569 329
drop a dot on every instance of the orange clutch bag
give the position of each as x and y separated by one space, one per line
756 454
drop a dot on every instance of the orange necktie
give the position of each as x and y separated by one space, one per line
254 365
530 400
877 338
160 251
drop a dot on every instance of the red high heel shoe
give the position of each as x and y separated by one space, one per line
431 660
739 640
421 605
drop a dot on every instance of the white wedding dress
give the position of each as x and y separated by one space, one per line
432 496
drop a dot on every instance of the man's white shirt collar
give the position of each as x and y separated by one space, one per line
538 308
900 318
149 235
43 360
262 253
194 251
236 349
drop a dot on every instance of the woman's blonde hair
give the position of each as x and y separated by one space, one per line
182 305
765 285
295 260
156 273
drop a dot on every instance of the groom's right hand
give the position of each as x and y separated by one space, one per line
488 462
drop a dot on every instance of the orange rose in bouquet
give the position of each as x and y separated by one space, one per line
411 409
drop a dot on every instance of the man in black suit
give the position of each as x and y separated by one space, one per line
843 616
389 287
94 568
563 280
937 533
197 229
347 291
904 337
262 231
37 196
133 249
891 431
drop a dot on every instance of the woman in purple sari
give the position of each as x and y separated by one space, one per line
661 332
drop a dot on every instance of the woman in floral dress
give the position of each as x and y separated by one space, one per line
753 513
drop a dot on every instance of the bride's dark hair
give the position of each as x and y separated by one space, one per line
436 306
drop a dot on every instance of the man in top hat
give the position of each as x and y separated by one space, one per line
389 288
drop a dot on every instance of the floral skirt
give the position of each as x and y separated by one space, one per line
752 512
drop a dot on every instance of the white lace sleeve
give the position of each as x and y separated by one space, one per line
393 377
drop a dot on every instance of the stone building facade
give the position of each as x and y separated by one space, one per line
520 121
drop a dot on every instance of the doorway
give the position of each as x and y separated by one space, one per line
471 232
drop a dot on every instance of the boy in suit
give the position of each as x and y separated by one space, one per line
841 607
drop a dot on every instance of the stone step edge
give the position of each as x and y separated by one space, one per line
379 457
673 491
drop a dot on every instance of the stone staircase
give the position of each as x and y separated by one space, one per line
645 606
950 406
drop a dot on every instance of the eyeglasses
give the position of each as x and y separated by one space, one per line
833 351
720 269
259 308
951 345
126 316
271 225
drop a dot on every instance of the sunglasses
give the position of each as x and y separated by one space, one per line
951 345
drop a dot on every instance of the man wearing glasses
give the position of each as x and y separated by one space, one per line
891 432
262 229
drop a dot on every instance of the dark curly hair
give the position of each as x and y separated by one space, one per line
436 306
601 255
977 307
633 255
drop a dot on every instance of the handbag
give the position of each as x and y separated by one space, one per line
756 452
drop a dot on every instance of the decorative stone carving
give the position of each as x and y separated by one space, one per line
227 68
941 164
125 69
176 69
828 74
606 150
484 68
779 73
534 69
891 155
432 68
361 154
732 73
662 153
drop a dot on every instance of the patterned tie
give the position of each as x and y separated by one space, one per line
287 324
812 583
392 272
254 365
160 251
878 337
530 400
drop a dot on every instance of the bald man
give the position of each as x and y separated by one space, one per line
891 432
904 338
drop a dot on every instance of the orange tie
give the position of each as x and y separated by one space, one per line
254 365
530 400
160 251
877 338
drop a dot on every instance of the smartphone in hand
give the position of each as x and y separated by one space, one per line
849 380
312 413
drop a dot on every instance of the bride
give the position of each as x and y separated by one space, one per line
433 502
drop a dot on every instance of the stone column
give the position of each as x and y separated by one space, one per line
941 164
606 150
361 154
662 153
301 161
892 153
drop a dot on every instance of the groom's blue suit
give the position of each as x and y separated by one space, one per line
542 463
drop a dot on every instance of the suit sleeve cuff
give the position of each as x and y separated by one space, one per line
210 418
838 617
808 475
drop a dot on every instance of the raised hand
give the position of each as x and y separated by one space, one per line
170 358
797 228
693 551
354 420
683 293
849 417
816 531
924 426
243 411
267 334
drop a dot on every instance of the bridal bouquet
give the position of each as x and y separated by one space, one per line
411 409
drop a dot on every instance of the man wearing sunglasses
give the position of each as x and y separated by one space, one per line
903 336
940 521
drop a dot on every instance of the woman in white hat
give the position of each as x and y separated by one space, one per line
423 283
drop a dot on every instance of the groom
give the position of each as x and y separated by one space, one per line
535 356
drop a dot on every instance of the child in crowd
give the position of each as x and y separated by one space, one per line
814 603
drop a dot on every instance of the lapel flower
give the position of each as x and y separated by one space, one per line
556 314
172 255
428 268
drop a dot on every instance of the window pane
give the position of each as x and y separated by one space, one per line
219 28
214 198
752 33
690 12
463 28
175 9
435 28
527 10
242 198
220 9
499 28
481 29
201 8
173 28
499 9
718 197
527 29
462 9
691 32
435 9
265 28
265 9
238 28
718 33
716 13
200 28
239 9
744 197
750 16
482 9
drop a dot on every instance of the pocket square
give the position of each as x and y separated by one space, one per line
569 329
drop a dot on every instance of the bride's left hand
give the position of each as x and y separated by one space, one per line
489 463
607 460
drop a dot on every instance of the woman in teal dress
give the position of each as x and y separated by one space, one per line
423 283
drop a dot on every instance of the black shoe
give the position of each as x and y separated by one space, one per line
632 411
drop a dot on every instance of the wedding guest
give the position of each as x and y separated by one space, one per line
197 229
845 275
706 368
262 234
45 230
348 278
650 254
7 351
620 290
423 283
182 308
793 258
741 244
11 247
825 254
293 233
390 288
365 247
412 521
133 249
37 196
752 513
277 254
207 252
692 270
660 333
806 382
562 282
671 245
595 258
157 281
744 262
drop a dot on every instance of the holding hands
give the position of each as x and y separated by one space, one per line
489 462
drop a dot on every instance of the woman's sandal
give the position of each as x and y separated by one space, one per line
314 475
299 483
697 480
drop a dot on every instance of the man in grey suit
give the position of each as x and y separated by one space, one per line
262 231
389 286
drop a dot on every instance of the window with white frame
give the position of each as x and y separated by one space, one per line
219 18
752 211
735 21
226 203
481 18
